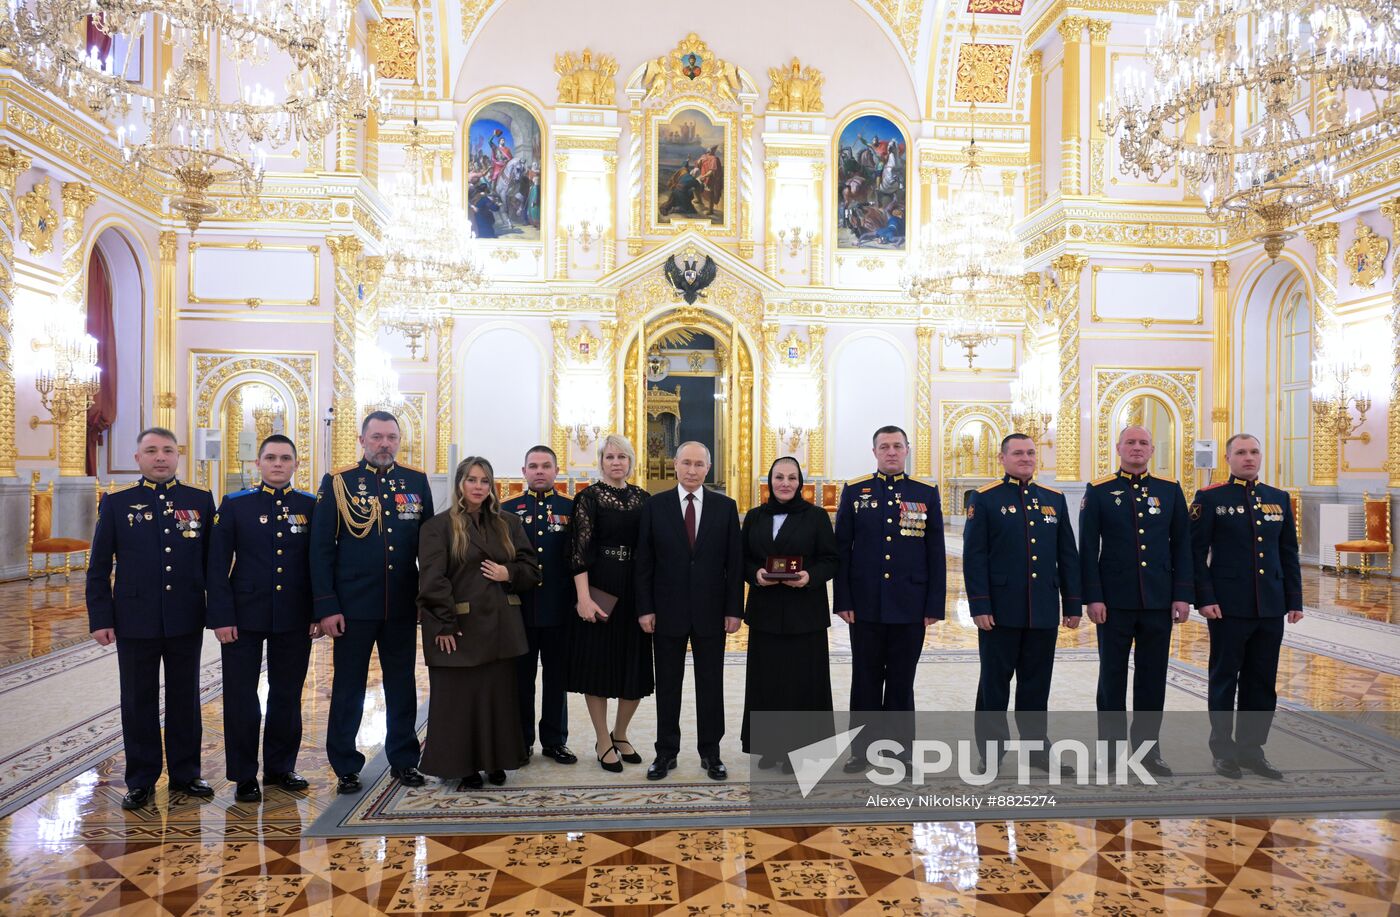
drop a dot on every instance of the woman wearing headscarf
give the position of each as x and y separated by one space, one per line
787 668
473 562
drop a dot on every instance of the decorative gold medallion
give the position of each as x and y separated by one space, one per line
37 219
1366 256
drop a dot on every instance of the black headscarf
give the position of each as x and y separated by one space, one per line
798 502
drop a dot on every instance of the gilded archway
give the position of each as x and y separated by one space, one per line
214 376
1178 389
954 415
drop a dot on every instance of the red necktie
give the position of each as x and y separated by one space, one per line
690 519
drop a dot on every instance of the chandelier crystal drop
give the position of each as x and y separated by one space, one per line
1035 396
429 249
1209 57
197 124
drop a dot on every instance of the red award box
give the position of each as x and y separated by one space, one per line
781 567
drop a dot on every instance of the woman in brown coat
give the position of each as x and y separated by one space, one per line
473 562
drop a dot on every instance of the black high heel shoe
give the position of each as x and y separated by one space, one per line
472 781
633 757
612 767
497 778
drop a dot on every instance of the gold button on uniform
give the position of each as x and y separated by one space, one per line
279 569
167 550
168 568
279 587
169 587
279 551
1033 575
1144 563
887 576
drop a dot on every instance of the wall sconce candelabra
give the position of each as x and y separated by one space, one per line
586 212
1341 378
797 226
64 363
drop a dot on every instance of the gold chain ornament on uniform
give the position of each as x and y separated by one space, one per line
360 513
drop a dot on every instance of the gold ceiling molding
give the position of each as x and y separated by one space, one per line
795 88
600 144
983 73
429 138
904 18
931 160
472 13
1054 11
393 48
794 152
585 81
1102 227
996 7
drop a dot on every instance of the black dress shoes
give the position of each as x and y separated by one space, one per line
714 768
559 754
660 768
529 753
471 782
1157 767
138 797
348 783
1262 767
497 778
1226 767
291 781
854 765
248 791
196 787
408 776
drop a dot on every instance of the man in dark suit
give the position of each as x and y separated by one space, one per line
260 593
1021 569
1135 557
892 580
547 609
690 589
1247 581
156 531
364 582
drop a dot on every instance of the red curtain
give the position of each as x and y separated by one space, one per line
101 326
96 38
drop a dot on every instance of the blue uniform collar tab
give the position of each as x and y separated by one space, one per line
542 495
275 491
1143 476
891 477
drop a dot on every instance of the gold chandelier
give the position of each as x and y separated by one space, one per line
1275 52
199 126
1034 398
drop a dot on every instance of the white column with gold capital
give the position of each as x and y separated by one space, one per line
13 164
72 430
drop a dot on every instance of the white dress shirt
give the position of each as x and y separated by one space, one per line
699 503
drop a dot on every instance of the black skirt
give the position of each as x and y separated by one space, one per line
612 658
786 672
473 720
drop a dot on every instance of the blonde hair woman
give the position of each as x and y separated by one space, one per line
609 656
473 562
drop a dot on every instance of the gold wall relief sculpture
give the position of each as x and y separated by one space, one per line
965 466
345 251
443 434
1326 452
13 164
1117 388
37 219
983 73
1366 256
816 439
393 47
413 413
585 81
795 88
216 374
1064 310
1391 211
923 402
558 433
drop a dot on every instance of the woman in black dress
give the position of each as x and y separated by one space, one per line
609 654
787 666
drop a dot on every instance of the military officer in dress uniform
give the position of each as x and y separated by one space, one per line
1135 558
260 592
891 582
1021 568
1247 581
546 514
157 532
364 582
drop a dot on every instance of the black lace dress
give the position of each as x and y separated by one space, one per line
613 658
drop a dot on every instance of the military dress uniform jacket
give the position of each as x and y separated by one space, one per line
364 542
158 536
262 534
1246 550
1020 562
889 538
1135 542
547 524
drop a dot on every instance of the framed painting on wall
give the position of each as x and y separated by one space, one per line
871 184
690 168
503 194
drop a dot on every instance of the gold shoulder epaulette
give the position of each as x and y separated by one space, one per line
988 486
1103 480
127 487
346 468
860 480
1051 489
409 468
1164 479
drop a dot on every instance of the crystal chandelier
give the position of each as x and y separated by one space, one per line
376 383
1034 398
62 356
202 124
1277 52
429 256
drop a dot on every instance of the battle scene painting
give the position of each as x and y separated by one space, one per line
503 173
690 168
872 172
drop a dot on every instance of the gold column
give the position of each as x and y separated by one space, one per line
444 393
1220 416
770 236
1391 210
746 483
1325 451
13 164
561 236
816 274
558 434
72 434
1035 169
639 437
233 421
165 333
610 237
1071 30
1068 269
345 251
734 468
372 150
608 347
770 361
816 440
925 198
1098 91
923 404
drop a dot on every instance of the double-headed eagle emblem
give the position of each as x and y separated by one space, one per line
690 277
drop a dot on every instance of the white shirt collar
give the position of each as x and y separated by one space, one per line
699 493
